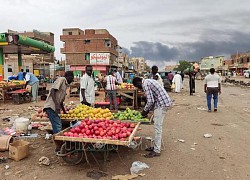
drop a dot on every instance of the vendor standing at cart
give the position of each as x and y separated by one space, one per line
87 87
55 99
158 100
33 81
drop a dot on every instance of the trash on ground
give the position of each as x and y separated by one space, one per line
44 160
202 108
137 166
6 167
48 136
207 135
126 177
3 160
181 140
193 149
96 174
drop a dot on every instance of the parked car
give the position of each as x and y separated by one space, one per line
246 73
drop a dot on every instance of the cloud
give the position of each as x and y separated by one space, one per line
211 43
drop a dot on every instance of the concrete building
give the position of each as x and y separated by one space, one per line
91 46
29 60
170 67
211 62
138 64
240 62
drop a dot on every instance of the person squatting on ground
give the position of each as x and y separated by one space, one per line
54 102
158 100
111 81
33 81
212 88
87 87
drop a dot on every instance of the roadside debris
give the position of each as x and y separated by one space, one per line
181 140
202 108
94 174
126 177
137 166
207 135
6 167
3 160
44 160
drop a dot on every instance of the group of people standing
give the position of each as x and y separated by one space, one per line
157 98
87 90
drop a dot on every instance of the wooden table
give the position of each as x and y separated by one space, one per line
4 91
130 94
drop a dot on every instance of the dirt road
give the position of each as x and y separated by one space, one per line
223 156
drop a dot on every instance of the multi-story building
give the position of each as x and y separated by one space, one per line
91 46
170 67
211 62
240 62
138 64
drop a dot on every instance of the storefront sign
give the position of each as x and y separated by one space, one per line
99 58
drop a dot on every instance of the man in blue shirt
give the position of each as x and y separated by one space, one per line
20 75
33 81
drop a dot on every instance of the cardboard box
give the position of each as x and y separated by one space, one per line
18 150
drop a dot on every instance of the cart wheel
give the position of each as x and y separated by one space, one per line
74 154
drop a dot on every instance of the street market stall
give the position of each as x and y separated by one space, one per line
6 87
94 136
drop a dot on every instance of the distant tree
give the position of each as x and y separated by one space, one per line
183 65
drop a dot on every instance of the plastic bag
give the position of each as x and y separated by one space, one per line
137 166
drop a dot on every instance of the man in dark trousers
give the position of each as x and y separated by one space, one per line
158 100
87 87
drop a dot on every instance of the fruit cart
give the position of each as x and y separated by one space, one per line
20 96
76 149
7 88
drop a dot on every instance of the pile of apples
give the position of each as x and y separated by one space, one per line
102 129
40 114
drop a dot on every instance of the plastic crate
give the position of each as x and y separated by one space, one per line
102 105
17 99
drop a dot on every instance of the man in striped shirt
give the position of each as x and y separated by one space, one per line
110 81
157 100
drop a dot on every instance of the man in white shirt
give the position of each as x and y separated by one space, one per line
110 81
155 75
87 90
212 87
118 77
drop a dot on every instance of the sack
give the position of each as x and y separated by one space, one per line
18 150
173 86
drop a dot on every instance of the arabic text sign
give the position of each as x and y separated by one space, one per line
99 58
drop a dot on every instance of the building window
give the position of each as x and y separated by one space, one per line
248 59
70 33
87 56
107 43
86 41
27 69
241 60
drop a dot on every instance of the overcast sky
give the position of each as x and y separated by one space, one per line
161 31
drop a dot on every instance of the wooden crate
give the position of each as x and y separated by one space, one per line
60 137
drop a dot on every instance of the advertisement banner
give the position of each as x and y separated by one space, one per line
99 58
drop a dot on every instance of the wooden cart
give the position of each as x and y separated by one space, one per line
4 91
75 149
130 94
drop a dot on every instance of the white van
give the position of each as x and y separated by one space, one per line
246 73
